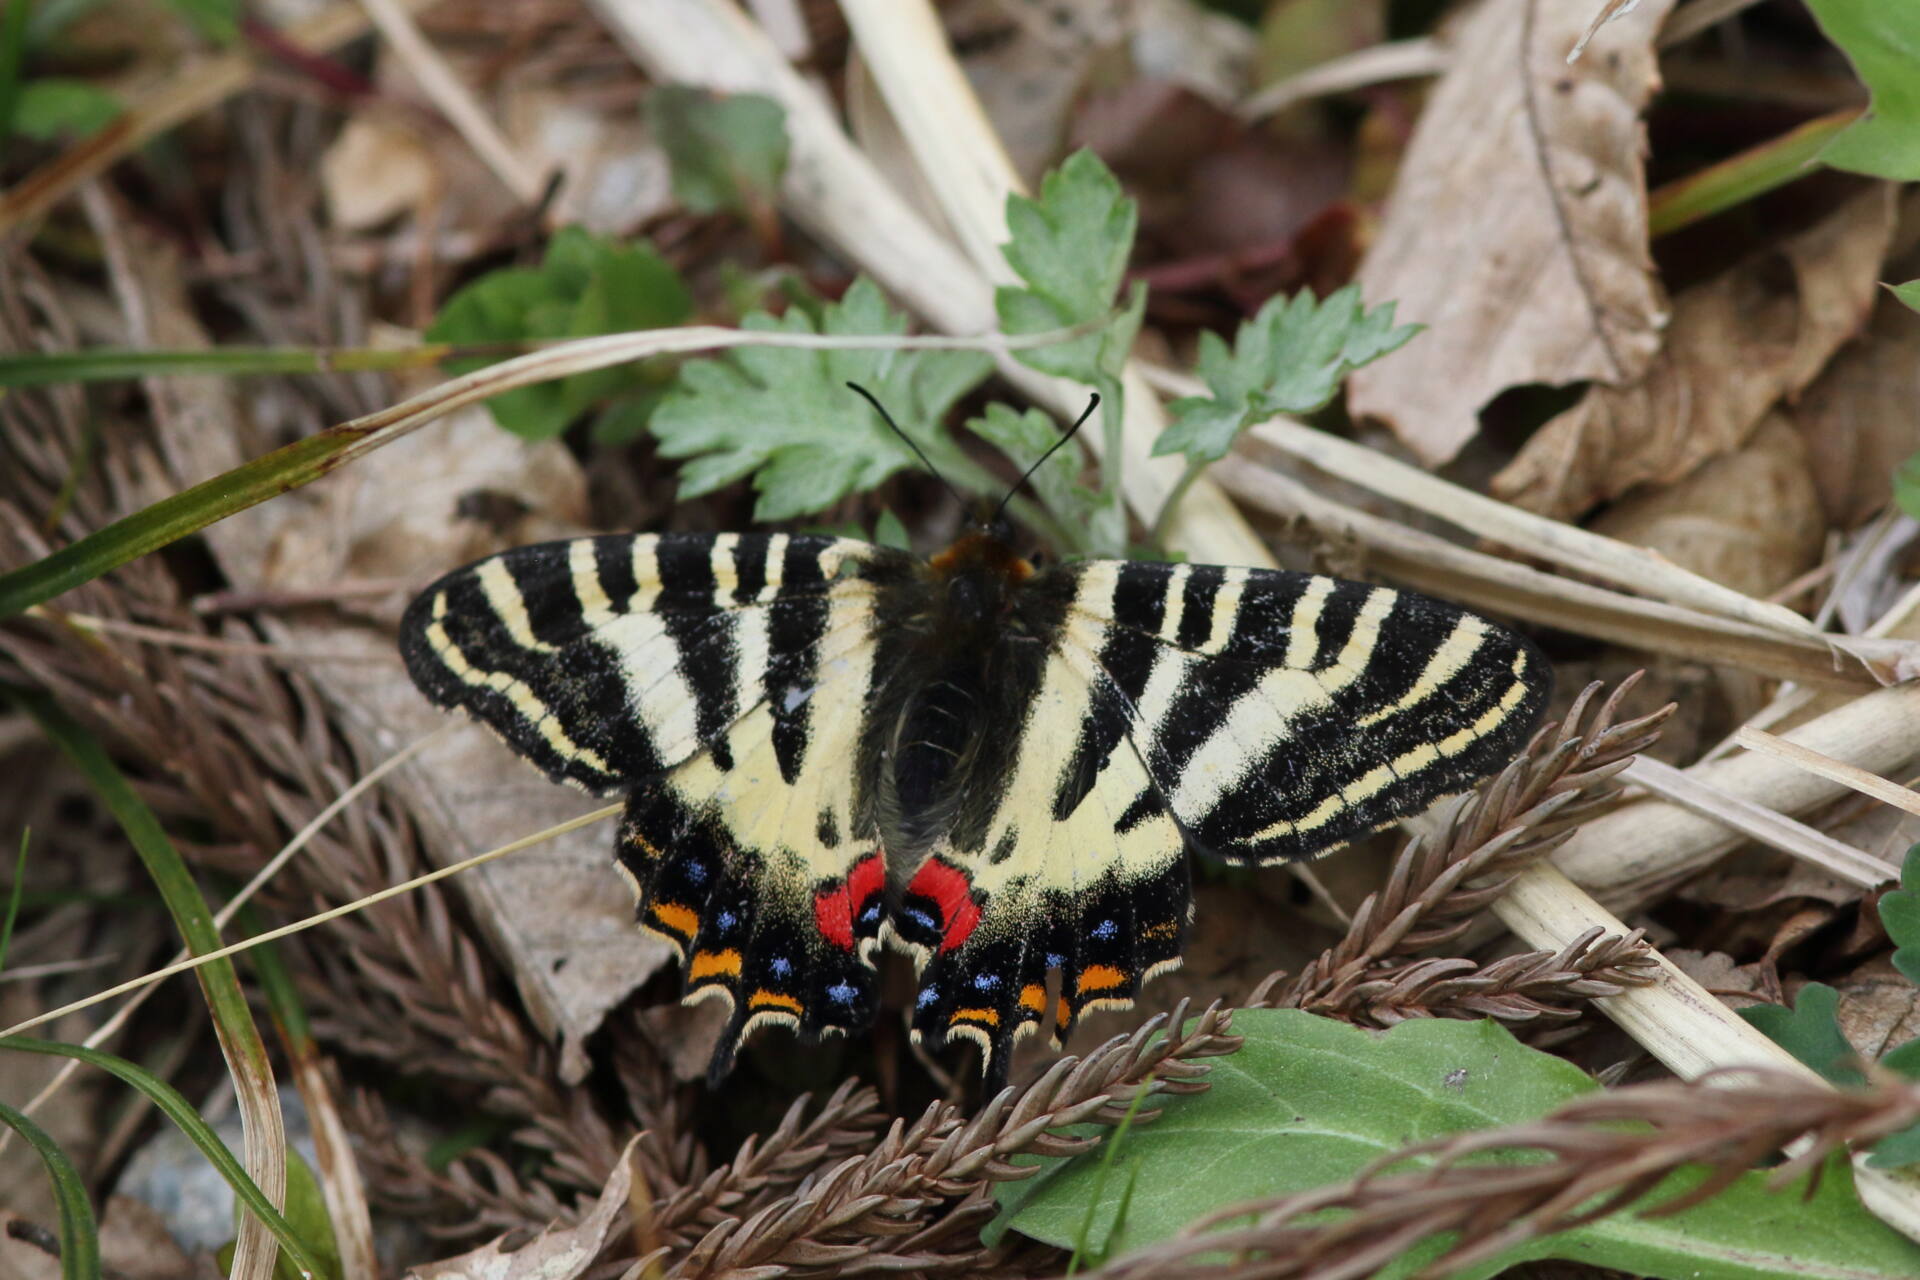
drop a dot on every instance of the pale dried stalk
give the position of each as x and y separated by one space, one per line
1825 766
1725 1125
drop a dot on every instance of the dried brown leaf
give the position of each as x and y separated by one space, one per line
1517 229
1750 518
1738 344
1857 418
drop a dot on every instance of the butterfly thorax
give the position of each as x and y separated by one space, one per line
974 622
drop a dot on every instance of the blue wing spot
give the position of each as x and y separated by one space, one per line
726 920
927 996
921 918
1104 930
781 966
695 871
985 981
871 914
1056 960
842 992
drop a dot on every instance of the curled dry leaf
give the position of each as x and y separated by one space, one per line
1738 344
1750 518
1517 229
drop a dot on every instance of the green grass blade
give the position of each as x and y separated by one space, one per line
40 369
232 1019
79 1235
14 892
13 56
171 519
1738 179
172 1104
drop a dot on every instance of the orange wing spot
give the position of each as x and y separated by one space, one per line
684 921
1062 1013
1166 929
765 999
988 1016
708 963
644 845
1099 977
1034 997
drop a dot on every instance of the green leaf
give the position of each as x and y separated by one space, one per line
1882 41
1908 293
1024 437
787 418
1290 358
1906 486
79 1234
1810 1032
1307 1102
1900 909
54 108
585 285
1070 248
890 531
726 152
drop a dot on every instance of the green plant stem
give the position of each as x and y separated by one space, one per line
1156 537
1740 178
13 56
106 364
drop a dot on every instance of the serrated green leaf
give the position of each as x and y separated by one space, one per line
1071 247
585 285
1906 486
1290 358
1810 1031
726 152
1307 1102
1900 909
787 417
54 107
1908 293
890 531
1902 1148
1882 41
1024 438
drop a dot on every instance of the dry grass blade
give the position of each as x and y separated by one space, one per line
1825 766
1595 1166
1437 886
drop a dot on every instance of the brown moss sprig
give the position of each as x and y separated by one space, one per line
879 1210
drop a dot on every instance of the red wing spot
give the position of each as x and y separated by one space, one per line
833 912
833 909
952 892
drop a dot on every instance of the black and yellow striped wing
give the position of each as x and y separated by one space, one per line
718 681
1250 715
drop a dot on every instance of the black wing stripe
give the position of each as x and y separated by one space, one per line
609 660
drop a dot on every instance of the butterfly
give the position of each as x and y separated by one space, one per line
828 746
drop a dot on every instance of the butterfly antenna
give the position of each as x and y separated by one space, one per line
918 452
1027 475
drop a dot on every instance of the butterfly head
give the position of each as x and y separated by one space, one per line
979 575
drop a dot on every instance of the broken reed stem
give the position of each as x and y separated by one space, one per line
1439 884
1825 766
1603 1153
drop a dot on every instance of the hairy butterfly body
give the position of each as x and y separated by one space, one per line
829 746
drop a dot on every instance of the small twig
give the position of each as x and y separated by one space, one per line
1825 766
